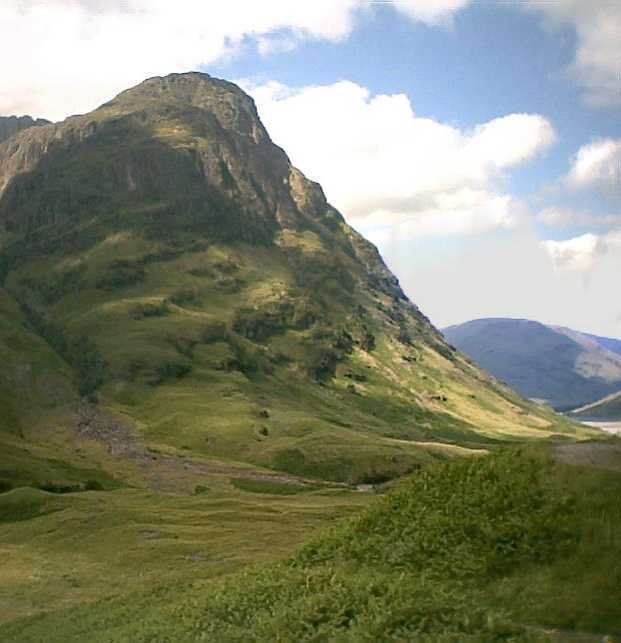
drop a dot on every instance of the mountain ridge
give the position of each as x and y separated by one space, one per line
175 271
11 125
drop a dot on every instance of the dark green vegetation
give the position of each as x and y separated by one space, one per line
267 486
509 547
561 367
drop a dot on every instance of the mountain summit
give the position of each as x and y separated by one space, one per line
164 263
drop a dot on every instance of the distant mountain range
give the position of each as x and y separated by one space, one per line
565 368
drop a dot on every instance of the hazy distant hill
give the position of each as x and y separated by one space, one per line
613 345
563 367
609 408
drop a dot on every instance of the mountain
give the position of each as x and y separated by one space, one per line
613 345
174 288
10 125
559 366
608 408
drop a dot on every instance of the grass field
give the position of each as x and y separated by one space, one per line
63 550
510 547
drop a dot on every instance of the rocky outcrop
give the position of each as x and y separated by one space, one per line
10 125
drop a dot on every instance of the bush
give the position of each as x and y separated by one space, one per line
88 364
368 342
146 311
322 363
169 371
93 485
5 486
59 487
121 273
184 297
214 332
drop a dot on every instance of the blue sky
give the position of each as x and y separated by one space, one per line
478 144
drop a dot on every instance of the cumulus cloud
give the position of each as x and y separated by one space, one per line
68 56
383 165
431 11
597 63
582 253
556 217
597 166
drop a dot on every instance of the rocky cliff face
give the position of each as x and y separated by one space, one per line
10 125
193 280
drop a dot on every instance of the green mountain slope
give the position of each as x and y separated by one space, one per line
200 297
560 366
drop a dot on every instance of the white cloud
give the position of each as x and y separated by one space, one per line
430 11
582 253
597 63
579 253
597 166
555 217
68 56
383 165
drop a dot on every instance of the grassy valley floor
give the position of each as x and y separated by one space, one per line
515 546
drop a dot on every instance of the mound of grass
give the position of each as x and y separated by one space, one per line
468 518
26 503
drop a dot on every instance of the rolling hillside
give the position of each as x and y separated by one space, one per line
559 366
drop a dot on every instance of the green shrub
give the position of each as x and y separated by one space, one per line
5 485
88 363
169 371
121 273
146 311
184 297
93 485
214 332
60 487
321 364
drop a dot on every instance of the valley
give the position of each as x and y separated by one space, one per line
220 414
